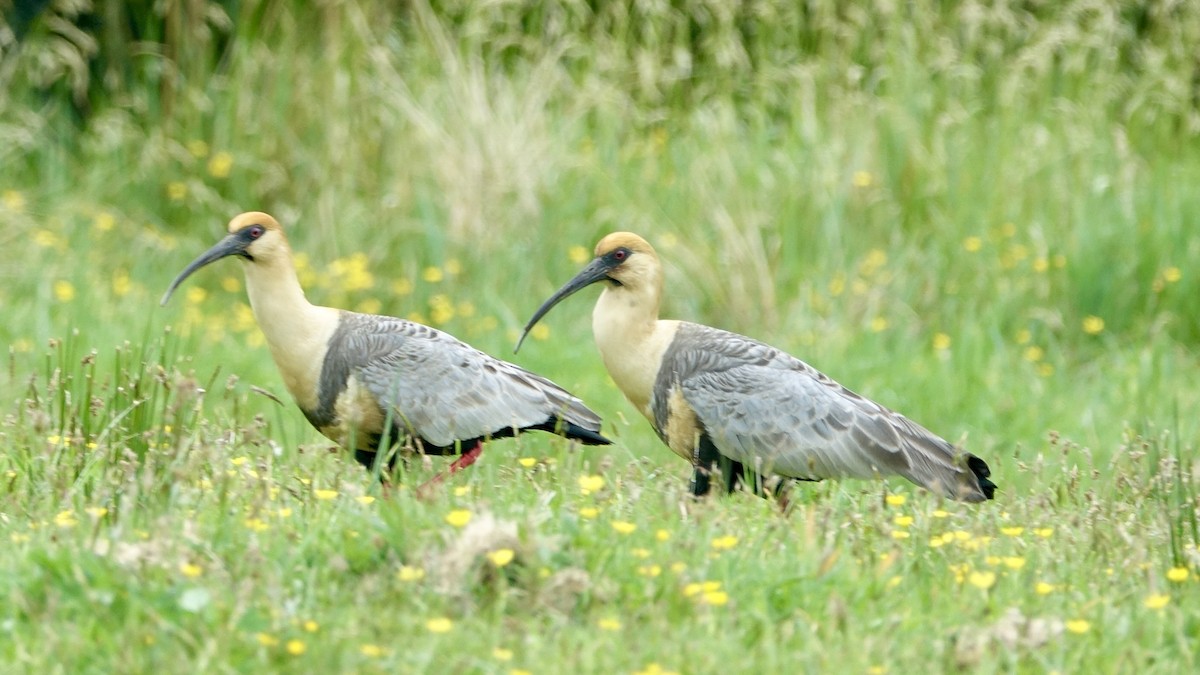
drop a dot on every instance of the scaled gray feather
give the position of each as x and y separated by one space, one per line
775 413
439 387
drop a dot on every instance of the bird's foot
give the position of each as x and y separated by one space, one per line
464 460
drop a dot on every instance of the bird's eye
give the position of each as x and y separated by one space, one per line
256 231
620 254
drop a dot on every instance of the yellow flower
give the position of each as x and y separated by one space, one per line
402 287
982 580
1044 532
716 598
662 535
1045 369
578 254
64 290
540 332
527 462
502 654
439 625
65 520
1040 264
902 521
371 650
724 543
266 639
256 524
1043 588
311 626
941 342
295 647
1157 601
879 324
1013 531
650 570
623 527
462 490
198 148
876 670
1014 562
190 570
432 275
453 266
238 461
501 556
176 191
284 512
940 514
610 624
458 517
1093 325
1172 275
653 668
369 306
410 573
1078 626
590 484
900 534
640 552
1178 574
220 164
13 201
104 221
972 244
862 179
96 512
589 512
896 500
325 495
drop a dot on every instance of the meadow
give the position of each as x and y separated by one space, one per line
980 214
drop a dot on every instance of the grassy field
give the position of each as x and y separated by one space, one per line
985 217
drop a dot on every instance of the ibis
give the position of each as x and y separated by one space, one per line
363 378
744 412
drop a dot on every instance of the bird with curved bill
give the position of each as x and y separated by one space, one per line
742 410
363 378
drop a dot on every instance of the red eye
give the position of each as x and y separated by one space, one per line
256 231
620 254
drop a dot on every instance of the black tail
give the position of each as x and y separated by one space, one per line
981 471
556 425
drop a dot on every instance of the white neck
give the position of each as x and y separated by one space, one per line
632 340
296 331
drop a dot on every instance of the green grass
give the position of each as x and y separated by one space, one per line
938 210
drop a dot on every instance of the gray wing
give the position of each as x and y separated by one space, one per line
445 390
769 410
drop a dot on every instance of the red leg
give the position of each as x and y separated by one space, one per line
464 460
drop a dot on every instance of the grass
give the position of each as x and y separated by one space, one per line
985 220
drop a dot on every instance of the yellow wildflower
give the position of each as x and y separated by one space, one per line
724 543
1157 601
879 324
623 527
190 570
325 495
311 626
267 640
220 164
177 191
410 573
610 624
540 332
1078 626
578 254
439 625
1014 562
104 221
1012 531
64 290
432 275
527 462
896 500
972 244
371 650
502 654
662 535
295 647
902 521
501 556
1043 588
862 179
716 598
941 342
1178 574
589 512
13 201
900 534
198 148
1172 275
982 580
590 484
96 512
458 517
1044 532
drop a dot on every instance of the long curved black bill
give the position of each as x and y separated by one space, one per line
597 270
230 245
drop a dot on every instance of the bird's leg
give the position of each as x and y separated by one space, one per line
703 458
464 460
